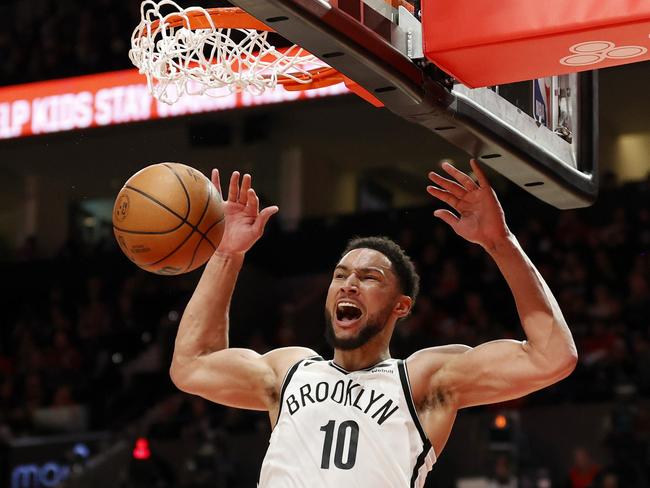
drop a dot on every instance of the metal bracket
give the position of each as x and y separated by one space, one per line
411 28
406 31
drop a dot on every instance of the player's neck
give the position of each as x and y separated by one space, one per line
360 358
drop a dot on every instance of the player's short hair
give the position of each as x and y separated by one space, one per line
408 277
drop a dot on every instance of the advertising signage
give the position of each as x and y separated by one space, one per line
43 462
114 98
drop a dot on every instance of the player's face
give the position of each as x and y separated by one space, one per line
361 299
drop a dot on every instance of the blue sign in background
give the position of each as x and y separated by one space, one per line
43 462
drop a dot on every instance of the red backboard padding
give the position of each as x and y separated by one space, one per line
488 42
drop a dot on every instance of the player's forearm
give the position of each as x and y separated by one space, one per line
546 330
204 326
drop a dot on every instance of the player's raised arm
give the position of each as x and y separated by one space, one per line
202 363
502 369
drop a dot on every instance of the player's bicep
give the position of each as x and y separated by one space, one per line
234 377
494 372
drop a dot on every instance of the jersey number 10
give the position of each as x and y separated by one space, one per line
342 438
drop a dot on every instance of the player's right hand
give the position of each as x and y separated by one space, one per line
244 222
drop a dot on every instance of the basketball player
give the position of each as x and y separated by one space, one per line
364 419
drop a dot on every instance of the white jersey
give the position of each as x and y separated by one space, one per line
339 428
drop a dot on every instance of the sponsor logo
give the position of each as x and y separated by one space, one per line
594 52
34 476
122 207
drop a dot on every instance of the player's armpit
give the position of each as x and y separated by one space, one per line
239 378
497 371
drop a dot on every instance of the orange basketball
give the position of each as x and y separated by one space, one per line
168 218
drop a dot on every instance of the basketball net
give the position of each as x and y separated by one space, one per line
217 52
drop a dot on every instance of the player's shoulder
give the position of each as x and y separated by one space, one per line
283 358
426 362
441 351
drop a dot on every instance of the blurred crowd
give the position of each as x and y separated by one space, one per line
49 39
70 332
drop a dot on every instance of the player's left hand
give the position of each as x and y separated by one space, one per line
481 219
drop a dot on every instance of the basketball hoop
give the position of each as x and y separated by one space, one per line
217 52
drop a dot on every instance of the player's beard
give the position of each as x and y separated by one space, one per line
374 325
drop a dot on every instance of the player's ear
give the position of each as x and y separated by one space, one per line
403 306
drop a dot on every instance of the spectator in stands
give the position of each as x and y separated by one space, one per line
584 469
503 476
637 305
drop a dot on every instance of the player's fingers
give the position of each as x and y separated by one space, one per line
264 217
215 180
443 195
233 188
451 186
245 186
461 177
448 217
252 202
483 182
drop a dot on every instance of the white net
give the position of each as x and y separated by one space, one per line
179 59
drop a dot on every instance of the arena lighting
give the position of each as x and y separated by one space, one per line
501 432
80 449
114 98
501 422
141 450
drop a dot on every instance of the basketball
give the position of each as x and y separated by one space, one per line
168 218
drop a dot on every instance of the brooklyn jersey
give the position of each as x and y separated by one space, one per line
339 428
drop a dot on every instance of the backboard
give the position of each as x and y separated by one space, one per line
540 134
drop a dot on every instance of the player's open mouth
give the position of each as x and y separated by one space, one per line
347 313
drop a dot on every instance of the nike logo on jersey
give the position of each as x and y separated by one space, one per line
370 402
